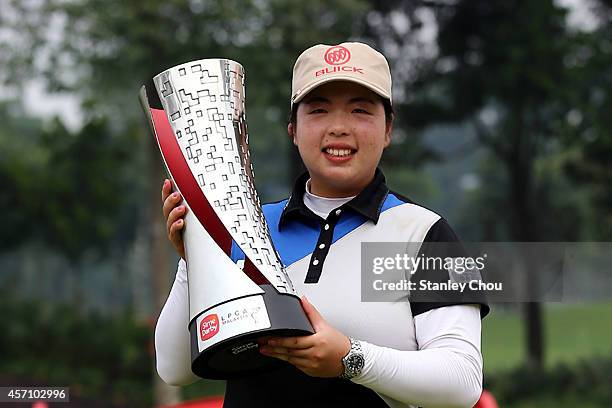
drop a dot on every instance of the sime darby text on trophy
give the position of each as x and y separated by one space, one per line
197 113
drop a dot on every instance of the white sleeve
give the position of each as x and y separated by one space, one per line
445 371
172 343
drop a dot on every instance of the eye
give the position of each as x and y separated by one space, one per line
361 110
317 110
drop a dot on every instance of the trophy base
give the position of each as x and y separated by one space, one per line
224 338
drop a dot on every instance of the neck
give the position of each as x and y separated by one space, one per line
318 193
336 191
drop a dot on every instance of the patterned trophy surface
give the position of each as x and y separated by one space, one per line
204 102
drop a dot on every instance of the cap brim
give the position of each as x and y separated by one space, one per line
320 82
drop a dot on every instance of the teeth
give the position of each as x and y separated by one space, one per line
338 152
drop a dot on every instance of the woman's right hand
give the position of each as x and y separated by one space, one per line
174 213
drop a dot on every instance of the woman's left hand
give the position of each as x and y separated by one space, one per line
318 355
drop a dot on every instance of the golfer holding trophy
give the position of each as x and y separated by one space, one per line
234 312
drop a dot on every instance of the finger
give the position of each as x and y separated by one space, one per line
313 314
176 214
306 353
300 362
175 230
262 341
171 201
166 189
300 342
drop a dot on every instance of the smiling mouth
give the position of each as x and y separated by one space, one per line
339 152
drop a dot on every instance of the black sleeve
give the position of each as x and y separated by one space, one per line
441 243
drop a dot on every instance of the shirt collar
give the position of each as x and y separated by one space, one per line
368 202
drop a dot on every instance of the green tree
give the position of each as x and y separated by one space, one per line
104 50
60 184
586 131
498 67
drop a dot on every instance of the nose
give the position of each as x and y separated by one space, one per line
339 124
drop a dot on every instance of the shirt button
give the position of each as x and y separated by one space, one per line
326 227
321 246
338 212
315 262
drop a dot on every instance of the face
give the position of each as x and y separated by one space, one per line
340 133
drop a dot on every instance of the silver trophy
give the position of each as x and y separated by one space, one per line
197 114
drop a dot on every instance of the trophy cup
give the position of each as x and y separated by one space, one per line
197 113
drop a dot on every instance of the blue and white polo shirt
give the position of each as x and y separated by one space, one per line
322 258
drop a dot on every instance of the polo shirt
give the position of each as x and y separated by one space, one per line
322 258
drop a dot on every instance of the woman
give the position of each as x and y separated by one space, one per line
398 354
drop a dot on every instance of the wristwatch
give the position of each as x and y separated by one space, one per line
353 361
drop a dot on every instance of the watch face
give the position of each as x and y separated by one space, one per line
355 363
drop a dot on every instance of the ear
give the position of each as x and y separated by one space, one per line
291 132
388 131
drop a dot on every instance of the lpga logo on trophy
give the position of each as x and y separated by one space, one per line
197 114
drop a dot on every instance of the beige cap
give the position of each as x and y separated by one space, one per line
349 61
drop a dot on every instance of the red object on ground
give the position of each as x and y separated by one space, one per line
208 402
486 401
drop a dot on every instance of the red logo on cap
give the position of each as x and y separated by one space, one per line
209 326
337 55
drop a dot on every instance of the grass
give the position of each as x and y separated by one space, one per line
555 402
571 332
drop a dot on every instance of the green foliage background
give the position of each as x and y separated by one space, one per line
503 126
